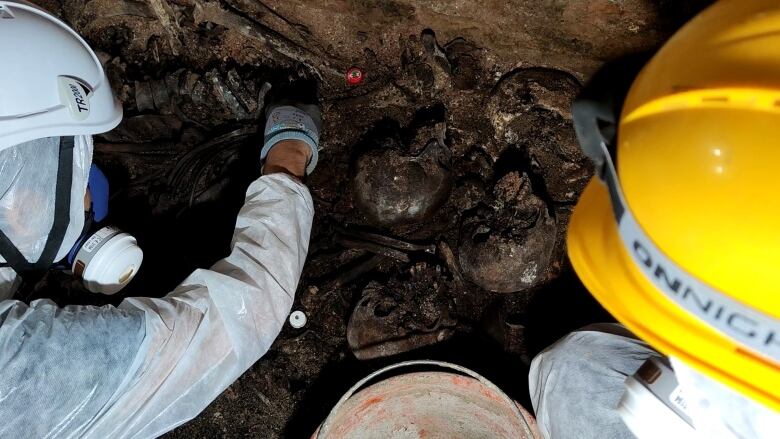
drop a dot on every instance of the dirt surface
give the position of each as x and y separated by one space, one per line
443 191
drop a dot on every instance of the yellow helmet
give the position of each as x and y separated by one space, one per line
684 249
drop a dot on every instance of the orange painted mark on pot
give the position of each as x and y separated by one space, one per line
366 405
461 381
373 400
488 393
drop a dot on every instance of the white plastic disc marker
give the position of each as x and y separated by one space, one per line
297 319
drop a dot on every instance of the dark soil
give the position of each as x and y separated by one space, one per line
464 112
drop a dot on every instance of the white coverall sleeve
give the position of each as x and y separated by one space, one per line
149 365
576 383
9 283
218 322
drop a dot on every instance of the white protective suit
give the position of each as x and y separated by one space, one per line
576 385
149 365
26 211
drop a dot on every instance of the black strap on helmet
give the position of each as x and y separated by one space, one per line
34 271
596 114
596 111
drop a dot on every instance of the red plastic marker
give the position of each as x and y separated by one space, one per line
355 76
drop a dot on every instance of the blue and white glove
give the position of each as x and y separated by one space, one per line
288 122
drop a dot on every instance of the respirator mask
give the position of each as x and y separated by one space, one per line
46 224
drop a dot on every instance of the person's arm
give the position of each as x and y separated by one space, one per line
149 365
205 334
575 384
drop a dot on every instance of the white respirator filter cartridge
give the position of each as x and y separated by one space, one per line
107 260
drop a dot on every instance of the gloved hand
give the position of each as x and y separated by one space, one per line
293 114
288 157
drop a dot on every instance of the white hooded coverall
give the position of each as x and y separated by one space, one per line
576 385
149 365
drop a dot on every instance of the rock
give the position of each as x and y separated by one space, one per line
393 189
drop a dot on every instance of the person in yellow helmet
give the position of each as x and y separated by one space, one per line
678 237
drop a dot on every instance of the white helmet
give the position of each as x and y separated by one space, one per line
65 93
54 95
